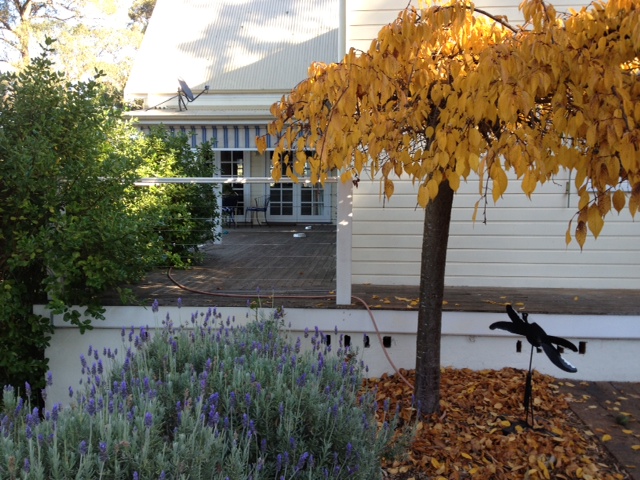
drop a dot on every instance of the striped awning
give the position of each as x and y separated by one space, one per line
225 137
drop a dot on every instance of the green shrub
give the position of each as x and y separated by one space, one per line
184 215
72 225
207 399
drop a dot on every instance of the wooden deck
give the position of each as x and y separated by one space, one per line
272 264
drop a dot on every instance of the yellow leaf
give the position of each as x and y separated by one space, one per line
475 211
500 182
423 195
467 456
454 180
388 188
529 183
432 187
635 447
596 222
261 143
606 437
619 200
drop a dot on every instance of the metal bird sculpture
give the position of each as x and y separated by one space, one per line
538 338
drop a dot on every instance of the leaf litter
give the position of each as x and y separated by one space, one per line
478 433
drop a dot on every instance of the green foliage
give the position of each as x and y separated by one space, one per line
185 215
64 230
71 223
207 399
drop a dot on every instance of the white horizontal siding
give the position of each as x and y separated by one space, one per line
365 17
522 243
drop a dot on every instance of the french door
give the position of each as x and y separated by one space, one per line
299 202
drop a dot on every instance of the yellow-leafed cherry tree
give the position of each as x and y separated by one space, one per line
450 91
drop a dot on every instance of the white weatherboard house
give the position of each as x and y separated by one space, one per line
235 58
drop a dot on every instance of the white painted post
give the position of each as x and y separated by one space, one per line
343 243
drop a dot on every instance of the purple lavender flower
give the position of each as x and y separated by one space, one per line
180 302
27 465
49 379
155 306
70 392
30 420
55 410
302 460
162 475
136 476
29 432
83 448
148 420
103 454
91 407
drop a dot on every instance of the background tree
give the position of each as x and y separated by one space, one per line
91 35
140 13
22 20
449 91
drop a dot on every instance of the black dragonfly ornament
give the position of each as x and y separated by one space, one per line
538 338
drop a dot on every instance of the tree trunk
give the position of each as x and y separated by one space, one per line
437 217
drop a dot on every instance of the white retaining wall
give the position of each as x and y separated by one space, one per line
612 343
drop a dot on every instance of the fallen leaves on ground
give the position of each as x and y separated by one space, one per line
478 433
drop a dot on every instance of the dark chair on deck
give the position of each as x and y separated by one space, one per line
229 205
261 204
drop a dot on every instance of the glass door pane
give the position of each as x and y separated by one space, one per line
311 200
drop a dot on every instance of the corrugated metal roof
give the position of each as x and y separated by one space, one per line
234 45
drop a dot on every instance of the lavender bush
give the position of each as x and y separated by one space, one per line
208 399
